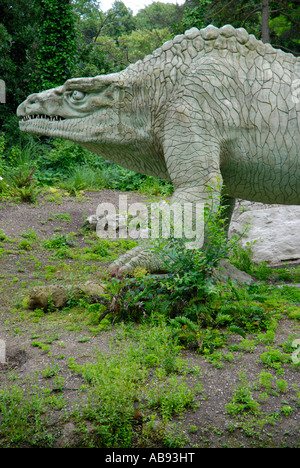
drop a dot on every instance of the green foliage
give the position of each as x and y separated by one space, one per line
171 397
120 20
17 49
30 165
136 45
51 371
273 358
194 16
197 305
121 390
242 258
158 15
59 241
283 22
242 401
23 420
60 158
56 36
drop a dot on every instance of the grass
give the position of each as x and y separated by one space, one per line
122 383
119 389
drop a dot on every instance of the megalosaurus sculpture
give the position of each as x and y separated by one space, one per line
210 105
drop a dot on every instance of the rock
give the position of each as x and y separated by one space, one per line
57 296
274 229
228 271
42 297
88 289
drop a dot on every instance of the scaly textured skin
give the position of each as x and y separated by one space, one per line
208 107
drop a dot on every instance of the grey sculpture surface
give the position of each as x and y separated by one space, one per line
210 106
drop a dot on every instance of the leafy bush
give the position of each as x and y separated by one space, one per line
34 163
62 156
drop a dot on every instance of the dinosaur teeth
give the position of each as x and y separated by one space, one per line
55 118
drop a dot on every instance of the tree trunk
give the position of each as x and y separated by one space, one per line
265 12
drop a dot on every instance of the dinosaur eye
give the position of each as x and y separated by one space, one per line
77 95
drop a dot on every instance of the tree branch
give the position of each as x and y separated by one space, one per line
297 54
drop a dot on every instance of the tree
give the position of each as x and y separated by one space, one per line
265 17
136 45
57 51
158 15
119 20
195 14
92 58
18 21
90 18
275 21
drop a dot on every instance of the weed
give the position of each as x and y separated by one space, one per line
193 429
242 401
247 346
25 244
40 345
170 396
65 217
273 358
62 241
28 193
30 234
84 339
282 385
121 382
23 420
4 237
51 371
266 338
286 410
265 381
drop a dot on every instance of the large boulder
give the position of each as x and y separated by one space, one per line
273 231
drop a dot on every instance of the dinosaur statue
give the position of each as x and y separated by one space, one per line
210 105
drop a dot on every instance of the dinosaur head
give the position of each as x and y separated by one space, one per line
93 110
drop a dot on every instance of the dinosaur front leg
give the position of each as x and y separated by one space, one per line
197 180
183 217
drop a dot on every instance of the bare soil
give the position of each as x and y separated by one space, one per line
207 426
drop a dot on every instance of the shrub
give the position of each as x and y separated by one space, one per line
191 290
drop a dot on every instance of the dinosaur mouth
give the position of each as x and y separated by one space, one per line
54 118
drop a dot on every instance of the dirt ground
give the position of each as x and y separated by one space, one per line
208 426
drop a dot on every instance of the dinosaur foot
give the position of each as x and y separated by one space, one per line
138 257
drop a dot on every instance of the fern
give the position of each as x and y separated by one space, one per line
181 321
237 330
222 318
